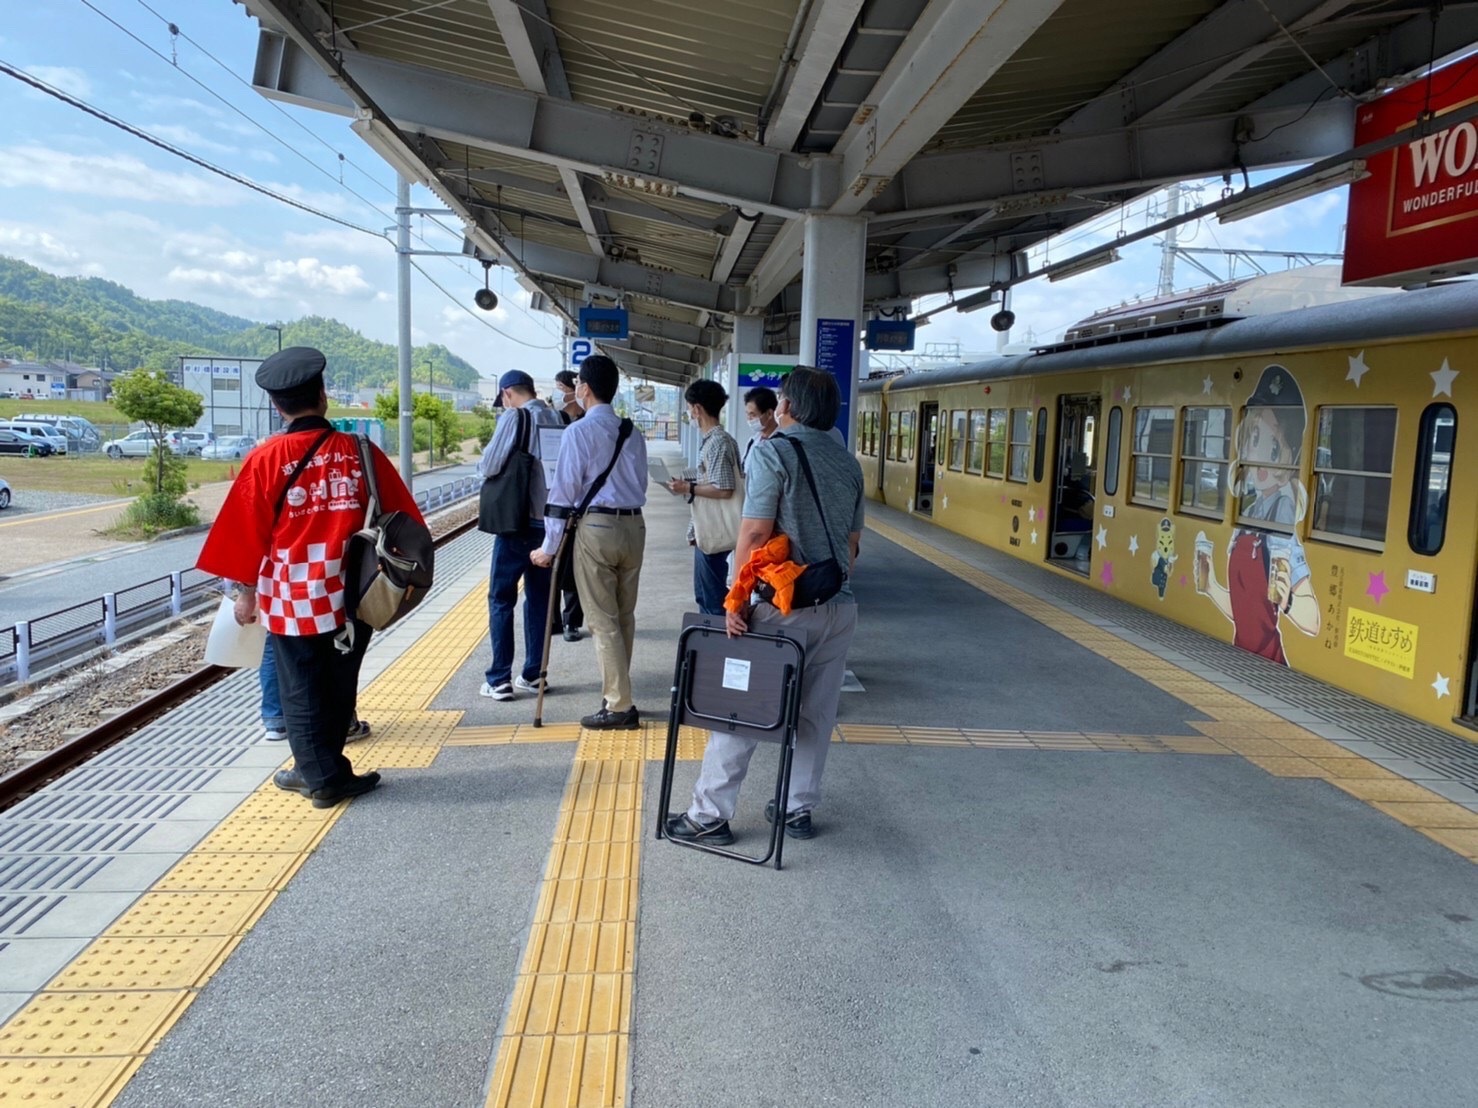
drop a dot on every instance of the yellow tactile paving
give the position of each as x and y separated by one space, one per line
565 1038
1236 726
64 1081
196 913
154 963
1420 814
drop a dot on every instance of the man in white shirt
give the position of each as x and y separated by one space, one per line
511 552
598 464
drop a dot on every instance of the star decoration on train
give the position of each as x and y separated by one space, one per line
1442 380
1125 394
1358 368
1377 587
1107 576
1034 536
1134 544
1206 386
1031 515
1102 538
1439 686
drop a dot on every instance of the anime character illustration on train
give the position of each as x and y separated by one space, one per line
1164 556
1267 575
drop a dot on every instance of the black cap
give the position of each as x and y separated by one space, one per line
290 369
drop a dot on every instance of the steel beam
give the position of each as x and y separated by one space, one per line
598 200
822 39
666 153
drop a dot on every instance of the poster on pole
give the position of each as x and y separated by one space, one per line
756 370
836 353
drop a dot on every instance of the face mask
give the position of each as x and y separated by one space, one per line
755 426
585 401
561 398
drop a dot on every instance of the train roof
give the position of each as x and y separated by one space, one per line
1452 307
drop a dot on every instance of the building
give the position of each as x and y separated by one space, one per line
31 381
234 404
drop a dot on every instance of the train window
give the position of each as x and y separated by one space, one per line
1020 444
1039 463
1353 453
872 434
893 425
1154 442
905 436
957 440
1433 477
975 459
1111 451
995 458
864 433
1205 446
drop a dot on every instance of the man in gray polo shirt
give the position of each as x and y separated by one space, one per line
778 500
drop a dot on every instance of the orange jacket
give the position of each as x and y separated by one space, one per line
771 564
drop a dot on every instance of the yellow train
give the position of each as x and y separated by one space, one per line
1280 481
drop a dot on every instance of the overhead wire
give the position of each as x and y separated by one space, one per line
481 319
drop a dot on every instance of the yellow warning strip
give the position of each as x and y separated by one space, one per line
1263 738
79 1040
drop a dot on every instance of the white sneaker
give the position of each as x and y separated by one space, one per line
529 686
497 692
272 735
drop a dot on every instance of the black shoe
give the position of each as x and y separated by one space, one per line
797 826
685 828
290 780
607 720
572 634
330 795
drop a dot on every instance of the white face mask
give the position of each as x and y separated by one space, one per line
586 401
755 426
561 398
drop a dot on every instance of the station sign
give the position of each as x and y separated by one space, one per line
604 323
890 334
580 349
1415 218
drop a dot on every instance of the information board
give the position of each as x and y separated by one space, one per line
836 353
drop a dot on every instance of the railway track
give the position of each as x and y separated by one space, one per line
72 752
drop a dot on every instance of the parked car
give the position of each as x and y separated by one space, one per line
191 442
44 432
229 446
79 431
139 444
4 494
13 442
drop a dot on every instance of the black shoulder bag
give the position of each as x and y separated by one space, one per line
560 511
389 563
503 502
819 581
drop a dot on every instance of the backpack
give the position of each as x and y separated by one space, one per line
388 564
503 502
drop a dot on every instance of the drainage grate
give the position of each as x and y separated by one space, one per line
146 754
39 872
136 779
20 837
18 914
59 805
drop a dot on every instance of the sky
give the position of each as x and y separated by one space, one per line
80 197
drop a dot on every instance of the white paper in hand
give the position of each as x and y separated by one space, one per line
231 644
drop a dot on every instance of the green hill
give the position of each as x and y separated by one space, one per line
89 320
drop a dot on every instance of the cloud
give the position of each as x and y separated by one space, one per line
45 249
298 279
114 176
65 77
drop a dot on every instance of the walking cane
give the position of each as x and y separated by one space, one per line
554 571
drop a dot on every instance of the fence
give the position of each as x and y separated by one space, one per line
32 646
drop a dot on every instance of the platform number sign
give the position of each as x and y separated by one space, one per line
580 349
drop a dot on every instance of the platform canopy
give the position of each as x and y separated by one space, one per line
664 151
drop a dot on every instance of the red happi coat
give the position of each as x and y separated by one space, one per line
298 562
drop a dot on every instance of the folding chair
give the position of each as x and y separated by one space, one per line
749 686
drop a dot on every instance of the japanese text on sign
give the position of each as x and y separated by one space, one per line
1380 641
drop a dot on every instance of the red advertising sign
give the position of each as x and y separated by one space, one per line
1415 218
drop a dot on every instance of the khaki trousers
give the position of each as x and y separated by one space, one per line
608 557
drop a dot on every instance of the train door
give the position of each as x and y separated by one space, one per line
1075 483
923 499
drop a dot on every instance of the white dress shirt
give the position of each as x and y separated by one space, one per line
584 453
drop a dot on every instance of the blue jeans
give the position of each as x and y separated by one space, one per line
510 563
272 717
710 581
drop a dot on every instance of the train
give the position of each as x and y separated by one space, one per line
1277 479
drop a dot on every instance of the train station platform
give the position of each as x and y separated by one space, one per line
1067 854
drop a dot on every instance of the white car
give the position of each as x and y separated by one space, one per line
4 494
229 446
137 445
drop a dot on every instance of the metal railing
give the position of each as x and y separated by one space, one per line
31 646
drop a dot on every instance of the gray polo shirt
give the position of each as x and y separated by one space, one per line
776 490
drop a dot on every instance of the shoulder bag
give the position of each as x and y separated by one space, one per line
388 564
716 521
503 502
819 581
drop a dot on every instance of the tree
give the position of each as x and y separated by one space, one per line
157 402
440 418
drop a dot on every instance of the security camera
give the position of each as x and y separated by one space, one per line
486 299
1003 321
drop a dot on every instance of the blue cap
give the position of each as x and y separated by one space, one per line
512 379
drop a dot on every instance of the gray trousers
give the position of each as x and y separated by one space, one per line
726 758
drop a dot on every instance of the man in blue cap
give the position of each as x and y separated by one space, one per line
511 552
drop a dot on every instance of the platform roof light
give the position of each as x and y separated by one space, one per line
1265 198
386 142
1063 270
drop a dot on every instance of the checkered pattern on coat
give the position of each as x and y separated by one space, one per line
301 589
